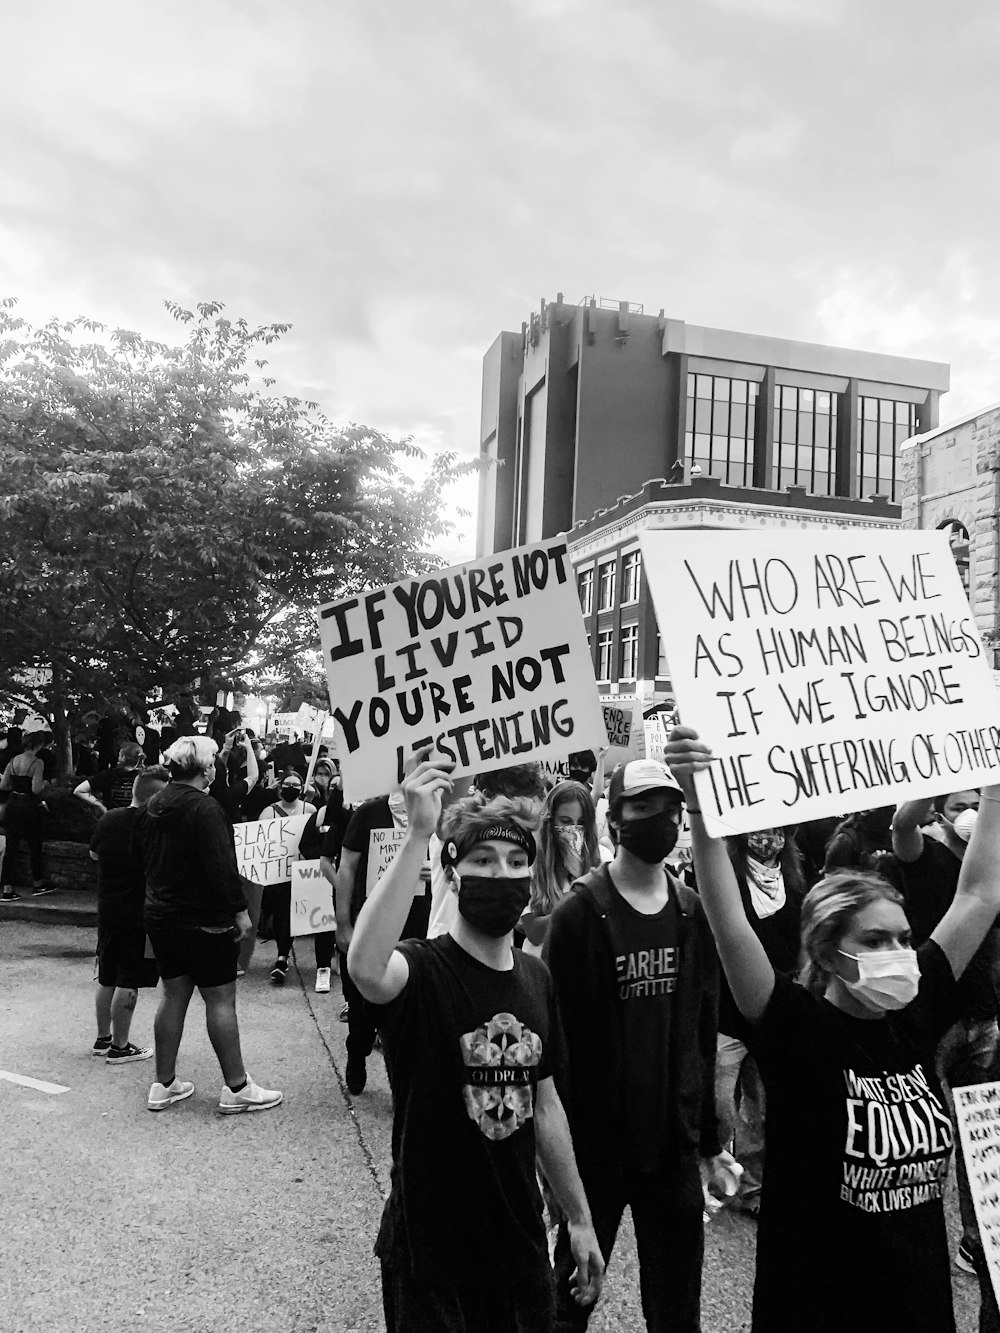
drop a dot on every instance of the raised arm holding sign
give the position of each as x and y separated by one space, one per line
830 672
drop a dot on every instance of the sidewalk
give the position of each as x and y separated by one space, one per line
65 907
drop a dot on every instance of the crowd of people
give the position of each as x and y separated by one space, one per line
587 1004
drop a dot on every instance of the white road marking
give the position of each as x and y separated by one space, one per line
38 1084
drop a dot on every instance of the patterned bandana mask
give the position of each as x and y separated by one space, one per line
766 846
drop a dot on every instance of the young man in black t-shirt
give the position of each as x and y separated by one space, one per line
111 789
122 966
472 1042
636 975
927 875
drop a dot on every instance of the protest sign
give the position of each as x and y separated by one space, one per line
618 724
487 663
555 770
383 844
829 671
977 1110
266 849
309 719
285 723
312 899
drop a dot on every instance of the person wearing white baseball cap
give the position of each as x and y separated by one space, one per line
636 975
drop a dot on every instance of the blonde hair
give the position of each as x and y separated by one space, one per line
190 755
828 910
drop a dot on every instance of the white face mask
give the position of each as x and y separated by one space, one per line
964 824
887 978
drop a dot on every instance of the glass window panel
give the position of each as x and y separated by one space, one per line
737 420
720 445
737 449
739 391
703 415
751 420
753 388
886 436
701 445
691 383
789 421
806 397
869 408
689 414
720 388
822 402
688 441
787 478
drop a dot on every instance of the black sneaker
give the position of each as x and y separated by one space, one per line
101 1046
965 1259
9 896
279 972
357 1074
128 1055
42 890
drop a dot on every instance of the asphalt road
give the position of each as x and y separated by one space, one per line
115 1219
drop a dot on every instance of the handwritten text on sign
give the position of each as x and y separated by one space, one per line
829 672
383 844
618 724
487 662
312 900
978 1112
266 849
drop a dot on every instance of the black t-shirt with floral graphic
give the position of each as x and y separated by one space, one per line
851 1231
465 1047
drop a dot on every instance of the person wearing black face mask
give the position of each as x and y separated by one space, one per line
277 898
636 974
472 1041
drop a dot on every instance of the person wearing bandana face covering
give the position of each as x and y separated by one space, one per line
929 868
852 1227
472 1041
277 898
636 974
769 874
567 849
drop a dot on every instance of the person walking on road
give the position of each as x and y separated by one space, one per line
123 968
195 914
472 1041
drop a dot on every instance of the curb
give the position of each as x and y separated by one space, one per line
51 911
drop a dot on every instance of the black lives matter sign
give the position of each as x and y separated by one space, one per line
829 672
486 663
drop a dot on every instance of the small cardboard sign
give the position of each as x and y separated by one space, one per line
486 663
267 848
312 900
383 844
829 671
618 724
977 1110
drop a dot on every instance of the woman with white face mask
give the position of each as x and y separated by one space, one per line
567 849
852 1230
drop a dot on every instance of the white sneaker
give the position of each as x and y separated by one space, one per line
250 1098
322 981
161 1097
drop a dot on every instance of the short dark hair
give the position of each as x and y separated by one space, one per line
148 782
520 780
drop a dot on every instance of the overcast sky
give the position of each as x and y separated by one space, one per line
402 179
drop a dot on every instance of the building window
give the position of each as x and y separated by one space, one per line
585 587
630 577
805 439
958 540
662 670
604 640
719 427
630 652
606 586
883 425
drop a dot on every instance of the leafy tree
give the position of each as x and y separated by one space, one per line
164 516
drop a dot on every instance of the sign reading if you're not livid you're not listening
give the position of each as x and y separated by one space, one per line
829 671
486 663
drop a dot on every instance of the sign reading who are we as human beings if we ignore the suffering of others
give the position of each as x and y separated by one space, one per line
829 672
485 664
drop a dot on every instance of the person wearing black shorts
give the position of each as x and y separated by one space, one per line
123 969
195 916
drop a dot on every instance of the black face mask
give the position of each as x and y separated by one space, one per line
651 839
492 904
291 794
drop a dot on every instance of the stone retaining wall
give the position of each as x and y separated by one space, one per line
67 864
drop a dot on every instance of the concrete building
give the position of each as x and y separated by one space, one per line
603 420
950 479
